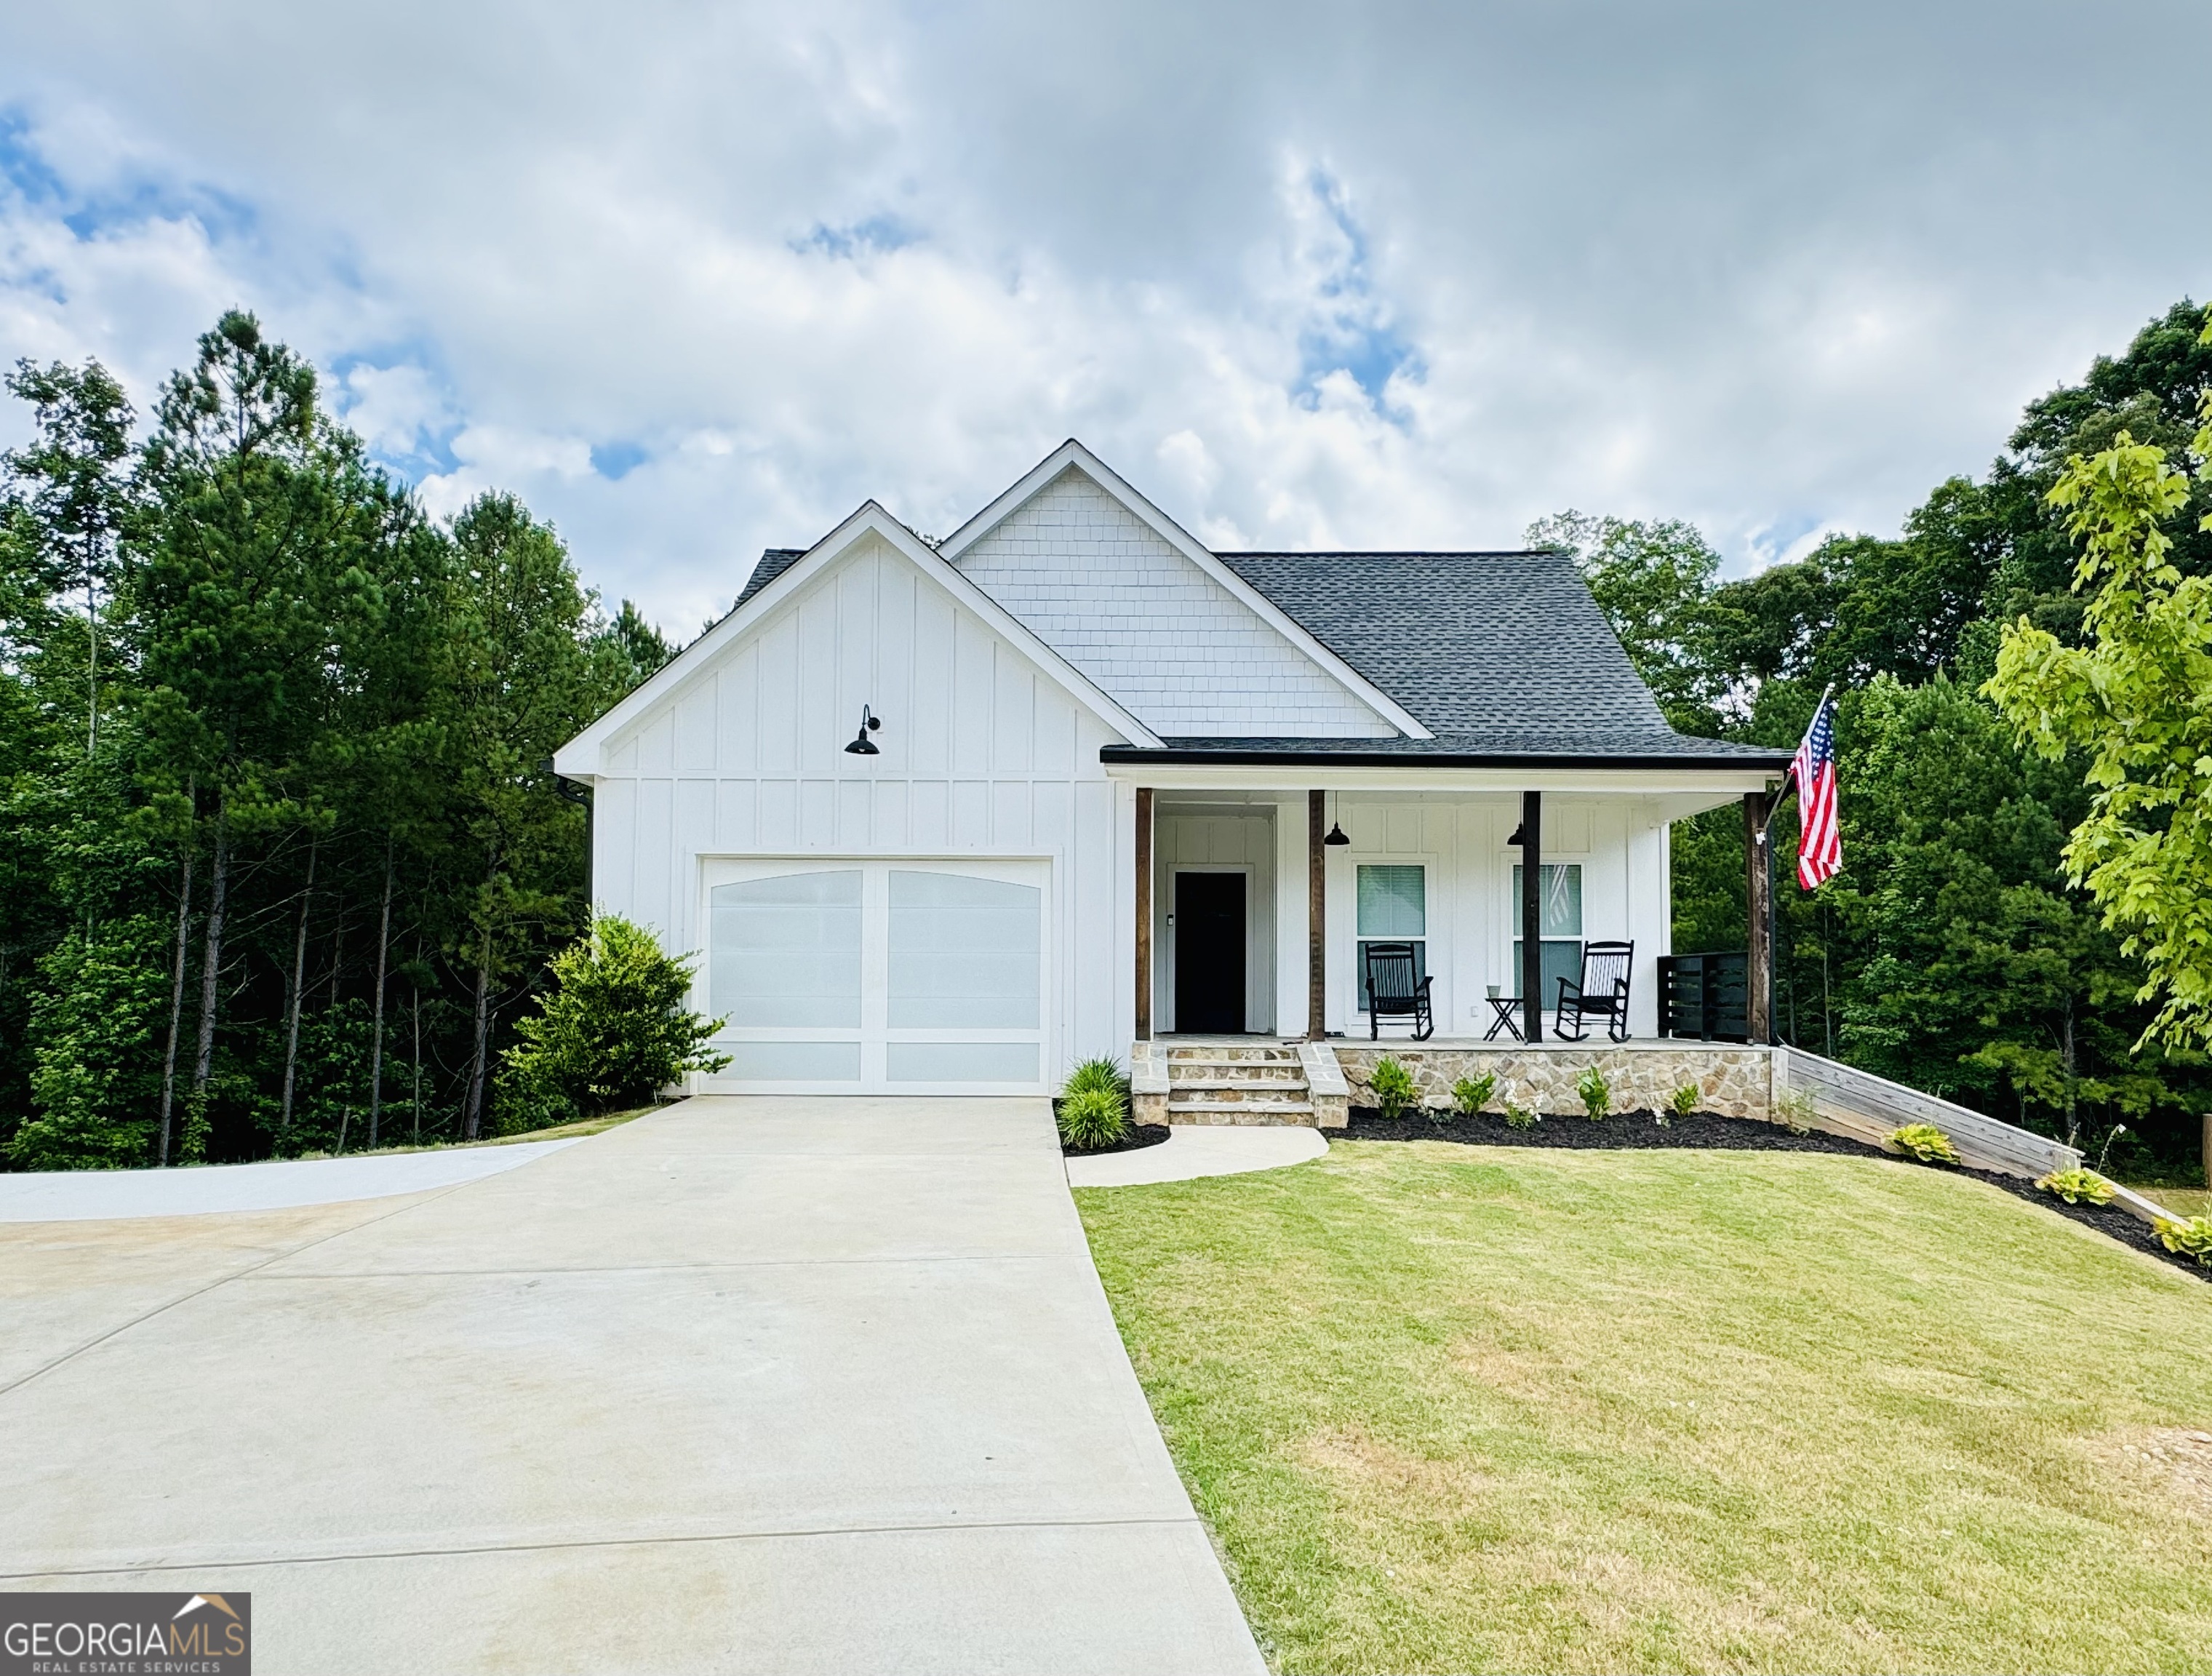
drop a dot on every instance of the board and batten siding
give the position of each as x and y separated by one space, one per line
1175 647
982 755
1621 844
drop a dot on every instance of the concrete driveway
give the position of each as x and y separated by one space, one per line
748 1385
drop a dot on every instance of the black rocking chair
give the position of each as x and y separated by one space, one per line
1394 991
1602 993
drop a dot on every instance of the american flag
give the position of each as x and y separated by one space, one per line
1819 846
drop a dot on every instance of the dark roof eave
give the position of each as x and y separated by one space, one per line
1246 756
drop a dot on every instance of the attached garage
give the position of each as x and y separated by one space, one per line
904 975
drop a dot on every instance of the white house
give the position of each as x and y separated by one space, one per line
1124 786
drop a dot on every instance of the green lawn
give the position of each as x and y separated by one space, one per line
1456 1409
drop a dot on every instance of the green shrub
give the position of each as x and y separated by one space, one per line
95 1037
1097 1073
1093 1117
1394 1087
613 1032
2077 1186
1683 1101
1471 1094
1595 1092
1925 1142
1520 1117
1794 1111
2189 1237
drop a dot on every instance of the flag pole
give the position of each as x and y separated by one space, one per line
1766 861
1790 780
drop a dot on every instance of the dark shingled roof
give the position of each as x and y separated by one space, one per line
1472 643
1505 656
773 563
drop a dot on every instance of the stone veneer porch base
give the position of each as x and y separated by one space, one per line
1732 1080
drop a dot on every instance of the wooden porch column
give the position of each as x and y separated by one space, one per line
1316 920
1144 914
1531 916
1758 914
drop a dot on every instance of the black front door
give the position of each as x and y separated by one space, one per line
1209 954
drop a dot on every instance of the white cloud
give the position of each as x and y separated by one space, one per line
398 411
697 280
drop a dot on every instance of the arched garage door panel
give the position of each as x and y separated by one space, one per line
924 975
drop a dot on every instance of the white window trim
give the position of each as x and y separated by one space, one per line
1512 921
1432 865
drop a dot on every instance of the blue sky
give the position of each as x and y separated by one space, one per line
696 280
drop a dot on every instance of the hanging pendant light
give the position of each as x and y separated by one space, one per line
1336 839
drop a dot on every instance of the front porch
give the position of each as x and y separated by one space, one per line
1254 905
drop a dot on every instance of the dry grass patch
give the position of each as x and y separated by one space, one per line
2182 1202
2167 1462
1551 1410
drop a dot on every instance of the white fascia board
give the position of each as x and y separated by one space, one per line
1696 788
1072 453
579 759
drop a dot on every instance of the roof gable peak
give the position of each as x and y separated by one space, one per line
1073 456
579 758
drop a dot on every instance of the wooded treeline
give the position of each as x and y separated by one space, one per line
279 859
1949 954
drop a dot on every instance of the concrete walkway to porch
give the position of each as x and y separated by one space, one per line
1193 1150
746 1384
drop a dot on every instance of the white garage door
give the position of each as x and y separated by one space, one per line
903 976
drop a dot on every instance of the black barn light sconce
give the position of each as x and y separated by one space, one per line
862 745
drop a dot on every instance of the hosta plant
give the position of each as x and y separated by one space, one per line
2077 1186
1925 1142
2188 1236
1394 1087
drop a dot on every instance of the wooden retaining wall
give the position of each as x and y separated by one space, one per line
1865 1107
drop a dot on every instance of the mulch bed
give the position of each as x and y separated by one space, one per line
1617 1133
1632 1131
1140 1135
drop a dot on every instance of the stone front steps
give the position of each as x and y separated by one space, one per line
1224 1083
1237 1080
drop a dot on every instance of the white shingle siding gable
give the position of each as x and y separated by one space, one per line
1178 650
